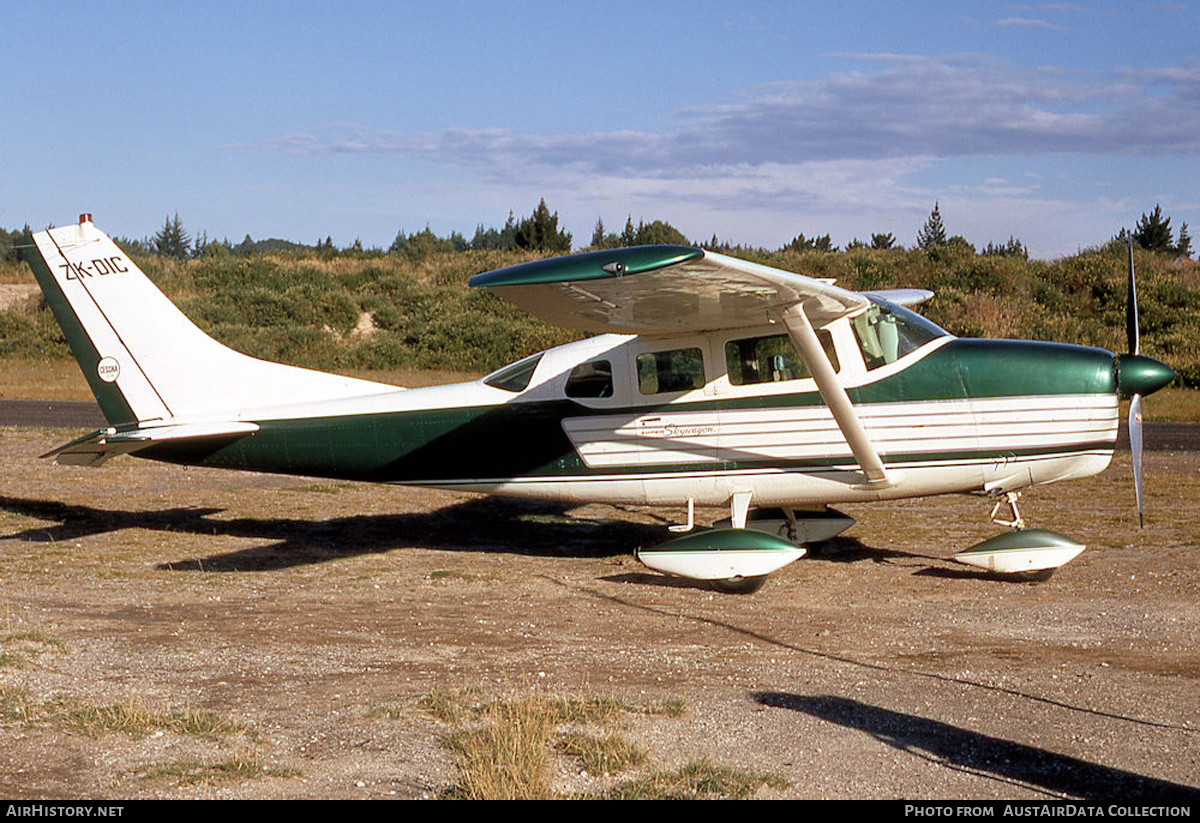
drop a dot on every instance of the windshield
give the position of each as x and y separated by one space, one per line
886 332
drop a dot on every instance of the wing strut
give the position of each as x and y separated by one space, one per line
817 361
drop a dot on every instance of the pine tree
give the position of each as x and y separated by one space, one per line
171 240
598 234
486 238
933 234
540 231
508 234
802 243
629 235
1013 248
1184 247
1153 232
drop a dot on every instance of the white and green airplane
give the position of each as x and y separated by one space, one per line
711 381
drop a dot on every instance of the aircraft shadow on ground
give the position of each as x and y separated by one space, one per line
1003 760
481 524
496 524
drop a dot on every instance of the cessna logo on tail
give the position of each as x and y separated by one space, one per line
108 370
101 266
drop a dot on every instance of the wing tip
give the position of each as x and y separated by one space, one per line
589 265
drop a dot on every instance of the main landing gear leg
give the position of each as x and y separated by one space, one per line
739 510
1011 498
789 530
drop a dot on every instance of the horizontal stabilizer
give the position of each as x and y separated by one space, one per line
97 448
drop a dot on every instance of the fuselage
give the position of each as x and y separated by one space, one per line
664 420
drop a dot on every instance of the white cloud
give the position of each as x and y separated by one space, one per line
1020 22
837 154
909 106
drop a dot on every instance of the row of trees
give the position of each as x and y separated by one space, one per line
537 232
540 232
307 307
931 238
1152 232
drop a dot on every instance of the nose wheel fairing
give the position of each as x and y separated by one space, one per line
1021 550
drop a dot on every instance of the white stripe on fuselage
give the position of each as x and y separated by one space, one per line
795 486
1070 436
680 437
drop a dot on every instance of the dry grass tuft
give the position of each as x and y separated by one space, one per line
134 717
698 780
241 766
603 755
15 706
507 749
507 757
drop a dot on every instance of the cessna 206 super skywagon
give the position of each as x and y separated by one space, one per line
712 382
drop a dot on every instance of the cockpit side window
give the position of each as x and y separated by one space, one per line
886 333
514 377
673 370
770 359
591 379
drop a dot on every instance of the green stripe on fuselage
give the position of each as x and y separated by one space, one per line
509 440
526 439
977 368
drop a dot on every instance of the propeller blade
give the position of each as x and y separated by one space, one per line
1133 336
1135 447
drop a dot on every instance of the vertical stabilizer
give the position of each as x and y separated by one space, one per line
143 358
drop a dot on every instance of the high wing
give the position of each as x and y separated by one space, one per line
661 290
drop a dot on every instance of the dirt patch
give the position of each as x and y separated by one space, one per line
316 615
12 294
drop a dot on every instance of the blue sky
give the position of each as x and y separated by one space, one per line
1056 123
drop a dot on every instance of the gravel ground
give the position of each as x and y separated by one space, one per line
317 615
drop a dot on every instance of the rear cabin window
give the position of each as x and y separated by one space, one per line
674 370
886 333
770 359
591 379
514 377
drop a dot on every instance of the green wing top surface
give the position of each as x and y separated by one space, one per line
661 290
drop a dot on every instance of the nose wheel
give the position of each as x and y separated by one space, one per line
1019 550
